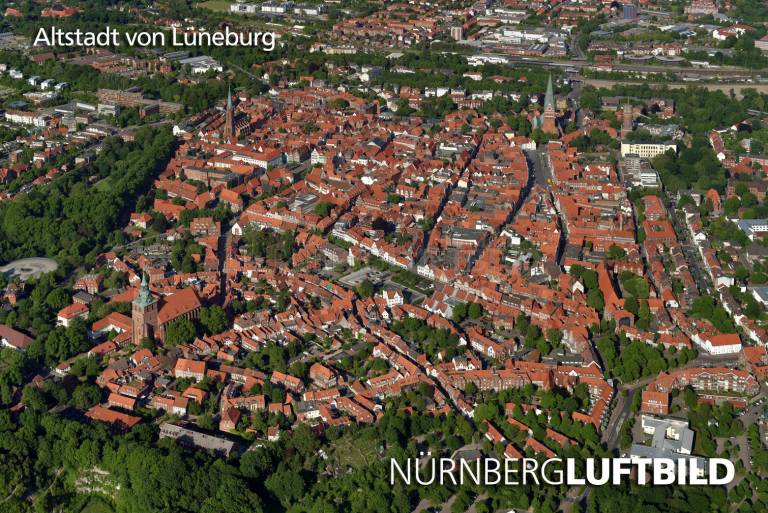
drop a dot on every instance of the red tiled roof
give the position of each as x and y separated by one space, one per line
178 304
121 401
14 338
191 366
725 339
103 414
115 319
73 310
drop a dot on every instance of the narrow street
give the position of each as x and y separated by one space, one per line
689 250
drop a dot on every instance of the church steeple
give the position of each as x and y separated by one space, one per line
144 297
143 313
229 127
549 98
549 124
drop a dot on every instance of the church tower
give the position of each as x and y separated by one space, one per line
228 123
626 122
549 125
143 313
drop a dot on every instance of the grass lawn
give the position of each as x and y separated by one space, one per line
103 185
216 5
97 505
354 452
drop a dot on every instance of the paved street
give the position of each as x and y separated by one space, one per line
538 166
689 250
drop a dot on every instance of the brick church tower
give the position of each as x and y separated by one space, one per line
143 313
626 119
229 126
549 125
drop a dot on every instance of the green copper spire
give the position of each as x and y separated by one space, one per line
549 98
229 98
144 298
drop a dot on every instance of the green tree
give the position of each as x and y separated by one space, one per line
459 312
595 300
631 305
85 396
554 336
365 289
34 398
323 208
339 103
57 299
181 331
232 495
286 485
213 320
523 126
616 253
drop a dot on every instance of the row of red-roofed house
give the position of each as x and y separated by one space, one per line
493 435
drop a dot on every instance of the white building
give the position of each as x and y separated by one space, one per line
671 439
275 8
67 315
309 9
726 343
27 118
723 33
392 297
480 60
47 84
202 64
243 8
649 178
668 434
646 150
368 73
753 228
760 294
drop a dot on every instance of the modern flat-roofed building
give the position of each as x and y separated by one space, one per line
202 64
184 436
646 150
753 228
671 438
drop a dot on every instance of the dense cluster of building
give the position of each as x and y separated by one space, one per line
459 212
433 216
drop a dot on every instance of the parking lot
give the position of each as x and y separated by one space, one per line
354 279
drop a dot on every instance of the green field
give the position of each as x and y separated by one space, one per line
96 505
104 184
216 5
